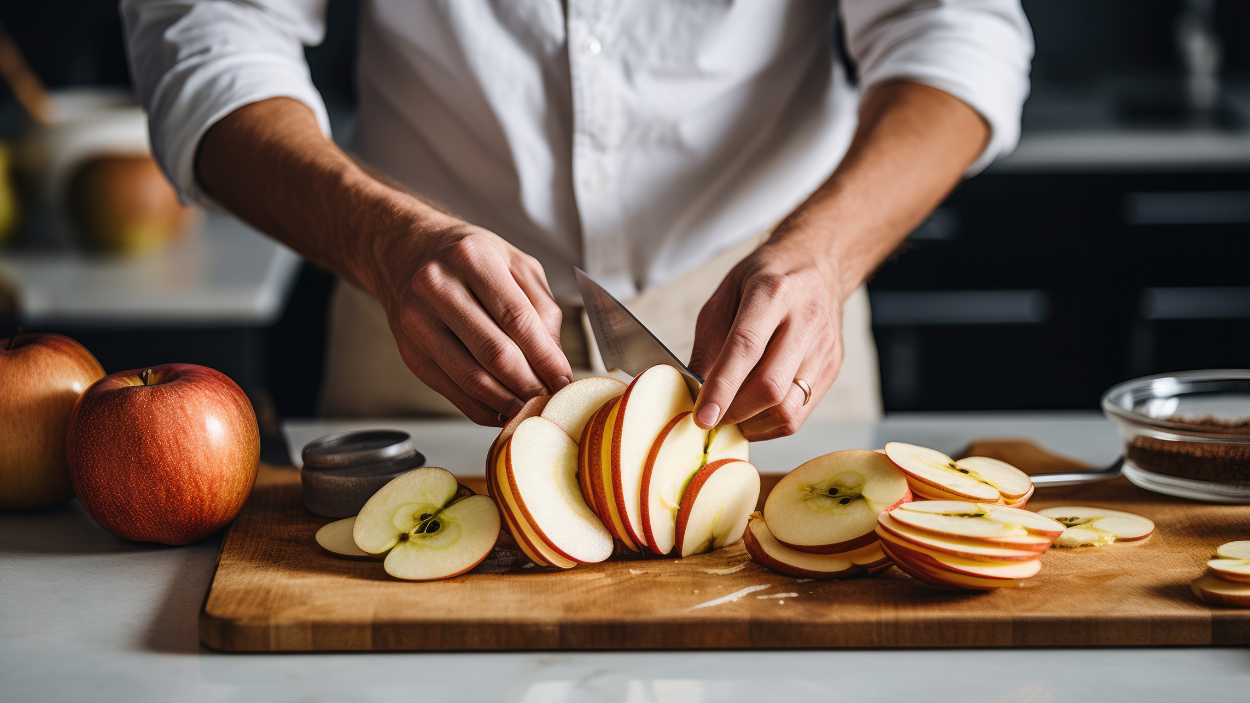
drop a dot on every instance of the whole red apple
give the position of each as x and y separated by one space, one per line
166 454
41 376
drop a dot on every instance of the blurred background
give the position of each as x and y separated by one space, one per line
1114 243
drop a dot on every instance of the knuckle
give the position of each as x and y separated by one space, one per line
513 317
747 341
772 285
474 382
493 351
772 391
429 279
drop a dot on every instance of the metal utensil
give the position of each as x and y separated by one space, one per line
1076 478
623 341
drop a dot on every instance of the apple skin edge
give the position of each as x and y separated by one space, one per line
756 550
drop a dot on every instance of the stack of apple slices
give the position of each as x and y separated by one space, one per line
956 544
1227 581
935 476
602 463
820 520
657 481
1097 527
427 525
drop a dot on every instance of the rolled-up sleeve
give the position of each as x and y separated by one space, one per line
976 50
194 62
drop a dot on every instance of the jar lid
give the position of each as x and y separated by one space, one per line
360 448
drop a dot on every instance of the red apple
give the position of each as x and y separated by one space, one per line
167 454
41 375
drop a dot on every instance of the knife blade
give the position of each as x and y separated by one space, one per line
624 342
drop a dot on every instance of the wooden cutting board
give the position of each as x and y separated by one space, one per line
275 589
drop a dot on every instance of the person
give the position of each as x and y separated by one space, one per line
733 170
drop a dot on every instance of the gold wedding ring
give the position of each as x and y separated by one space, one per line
807 390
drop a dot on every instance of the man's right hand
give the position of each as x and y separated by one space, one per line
472 315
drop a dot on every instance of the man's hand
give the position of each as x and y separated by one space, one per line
777 315
472 315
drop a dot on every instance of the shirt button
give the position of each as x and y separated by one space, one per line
592 46
596 180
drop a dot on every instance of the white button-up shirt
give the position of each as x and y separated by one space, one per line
635 138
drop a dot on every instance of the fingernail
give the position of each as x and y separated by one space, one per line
559 382
709 414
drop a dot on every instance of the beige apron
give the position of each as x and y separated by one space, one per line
365 376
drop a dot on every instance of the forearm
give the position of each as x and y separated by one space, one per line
270 165
912 146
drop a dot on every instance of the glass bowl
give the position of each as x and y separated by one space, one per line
1186 434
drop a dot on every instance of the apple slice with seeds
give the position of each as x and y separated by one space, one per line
541 461
1214 589
964 549
336 537
716 505
831 503
572 406
937 561
1096 527
974 478
975 521
426 533
654 398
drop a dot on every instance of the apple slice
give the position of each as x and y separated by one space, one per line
602 483
767 551
533 407
654 398
528 536
572 406
676 456
1096 527
716 505
1234 550
937 561
1022 500
963 549
541 461
1214 589
427 532
727 442
1231 569
945 579
831 503
975 521
977 478
337 537
509 522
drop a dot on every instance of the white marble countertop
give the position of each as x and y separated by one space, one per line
87 616
222 273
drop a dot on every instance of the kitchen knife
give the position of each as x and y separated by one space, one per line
623 341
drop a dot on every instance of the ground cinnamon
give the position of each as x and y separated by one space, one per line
1201 461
